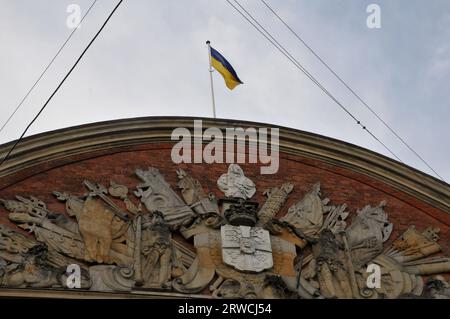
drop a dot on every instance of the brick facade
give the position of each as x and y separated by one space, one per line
341 185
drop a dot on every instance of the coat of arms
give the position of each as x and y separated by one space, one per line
246 248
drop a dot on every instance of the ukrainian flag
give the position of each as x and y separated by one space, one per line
224 67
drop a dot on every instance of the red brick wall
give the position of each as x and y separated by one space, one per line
339 184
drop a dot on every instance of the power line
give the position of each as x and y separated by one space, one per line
46 68
61 83
299 66
348 87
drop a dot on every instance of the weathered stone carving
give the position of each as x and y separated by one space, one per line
32 206
304 220
62 236
307 214
156 251
240 254
117 190
156 194
240 212
405 262
413 245
121 191
97 235
276 197
232 289
413 250
111 278
369 230
101 229
209 262
330 267
354 247
336 219
98 190
32 269
203 223
274 287
235 184
246 248
194 196
13 244
437 288
191 242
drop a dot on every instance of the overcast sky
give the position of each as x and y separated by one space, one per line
151 59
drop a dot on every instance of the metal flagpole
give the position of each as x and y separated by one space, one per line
211 78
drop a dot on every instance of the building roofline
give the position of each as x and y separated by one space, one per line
107 135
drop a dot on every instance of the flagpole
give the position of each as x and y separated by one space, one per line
211 78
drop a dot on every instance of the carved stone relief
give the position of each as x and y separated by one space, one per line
156 194
184 240
276 197
307 214
194 196
246 248
235 184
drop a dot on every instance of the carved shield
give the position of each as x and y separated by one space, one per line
246 248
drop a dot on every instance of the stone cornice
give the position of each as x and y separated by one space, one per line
109 136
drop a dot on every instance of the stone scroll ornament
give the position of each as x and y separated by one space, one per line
185 240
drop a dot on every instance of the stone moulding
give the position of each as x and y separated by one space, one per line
55 148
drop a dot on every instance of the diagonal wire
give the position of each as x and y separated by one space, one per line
297 64
46 68
349 88
61 83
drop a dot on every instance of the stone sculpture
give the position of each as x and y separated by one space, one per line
194 196
187 241
276 197
307 214
235 184
156 194
246 248
156 251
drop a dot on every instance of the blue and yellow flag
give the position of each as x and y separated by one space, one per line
224 67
